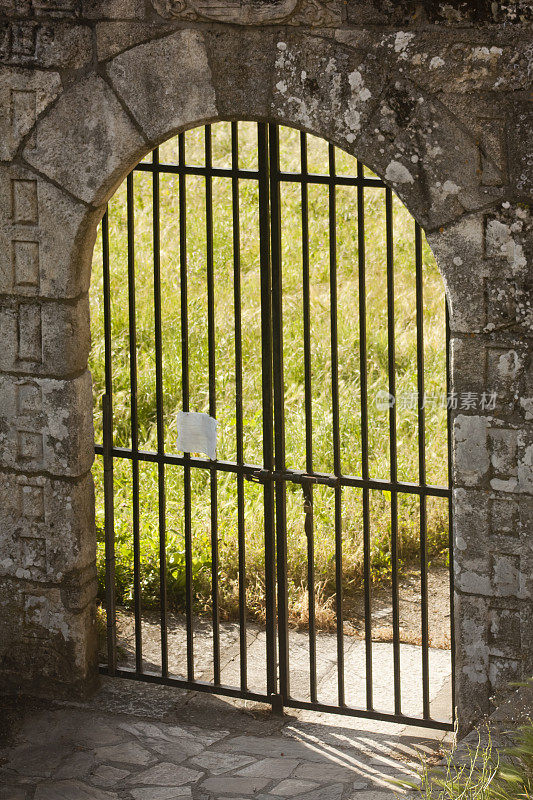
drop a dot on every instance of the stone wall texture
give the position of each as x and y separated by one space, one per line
435 97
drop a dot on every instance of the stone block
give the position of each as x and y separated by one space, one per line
504 517
520 125
506 574
113 38
502 672
471 461
525 468
509 305
243 85
323 88
505 368
44 338
459 250
23 97
99 153
58 438
46 237
503 443
47 526
505 632
166 84
44 647
472 658
402 145
114 9
49 44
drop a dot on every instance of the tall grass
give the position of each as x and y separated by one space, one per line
349 376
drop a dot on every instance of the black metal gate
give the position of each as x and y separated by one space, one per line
273 474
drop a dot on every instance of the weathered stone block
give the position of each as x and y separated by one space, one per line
58 437
411 146
47 526
114 9
323 88
53 651
504 516
23 97
472 657
504 451
99 153
113 38
46 237
520 126
460 255
504 632
50 45
243 86
162 106
45 338
506 574
470 450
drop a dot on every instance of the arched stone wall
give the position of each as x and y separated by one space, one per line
72 135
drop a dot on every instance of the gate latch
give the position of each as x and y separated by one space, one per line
258 476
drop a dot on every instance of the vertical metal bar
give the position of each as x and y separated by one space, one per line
211 338
364 431
309 522
422 469
182 197
267 381
160 415
279 410
134 421
335 418
393 449
238 400
107 437
450 504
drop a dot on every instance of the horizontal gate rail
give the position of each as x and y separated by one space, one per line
249 174
253 470
273 475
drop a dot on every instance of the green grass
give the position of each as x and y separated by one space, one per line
486 774
349 379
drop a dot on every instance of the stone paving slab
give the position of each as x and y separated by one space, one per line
326 645
83 751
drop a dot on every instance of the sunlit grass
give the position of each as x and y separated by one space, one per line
349 373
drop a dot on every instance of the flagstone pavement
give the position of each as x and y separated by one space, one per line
136 741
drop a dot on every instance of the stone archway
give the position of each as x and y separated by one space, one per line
65 168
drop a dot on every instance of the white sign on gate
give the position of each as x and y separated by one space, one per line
197 433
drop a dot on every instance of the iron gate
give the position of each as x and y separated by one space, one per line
274 475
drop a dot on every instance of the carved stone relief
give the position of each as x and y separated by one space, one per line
253 12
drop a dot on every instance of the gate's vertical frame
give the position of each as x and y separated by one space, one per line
308 487
332 205
211 333
107 437
159 416
279 410
422 468
361 260
268 427
130 210
238 399
450 502
393 449
187 521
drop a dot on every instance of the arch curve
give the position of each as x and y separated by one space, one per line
102 125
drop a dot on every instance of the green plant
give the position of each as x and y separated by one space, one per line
486 774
